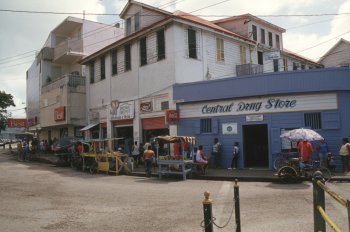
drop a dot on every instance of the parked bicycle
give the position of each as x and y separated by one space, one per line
298 171
283 159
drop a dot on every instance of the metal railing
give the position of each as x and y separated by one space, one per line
70 80
72 45
249 69
320 215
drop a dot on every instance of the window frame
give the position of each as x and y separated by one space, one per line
313 120
192 43
160 44
220 50
128 26
143 51
137 21
103 67
206 126
278 45
276 65
92 72
127 57
114 61
270 39
254 32
262 36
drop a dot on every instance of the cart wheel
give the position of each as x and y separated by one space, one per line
279 162
288 174
93 168
327 175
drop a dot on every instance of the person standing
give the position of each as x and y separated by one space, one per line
135 152
148 158
322 153
305 149
216 153
235 156
344 153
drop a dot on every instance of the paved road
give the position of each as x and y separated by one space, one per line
41 197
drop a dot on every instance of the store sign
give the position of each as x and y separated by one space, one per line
172 116
125 110
16 122
254 118
60 114
272 55
261 105
229 128
146 107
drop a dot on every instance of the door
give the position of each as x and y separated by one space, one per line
255 145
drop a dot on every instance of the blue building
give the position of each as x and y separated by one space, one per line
256 110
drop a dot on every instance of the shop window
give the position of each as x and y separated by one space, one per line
313 120
275 65
114 62
160 45
164 105
143 51
192 43
206 125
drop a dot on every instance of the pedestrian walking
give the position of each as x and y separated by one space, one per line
322 153
235 156
148 156
135 152
216 153
344 153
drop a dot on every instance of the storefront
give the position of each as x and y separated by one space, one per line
255 110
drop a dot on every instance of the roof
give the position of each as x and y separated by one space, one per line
297 56
130 2
250 17
332 48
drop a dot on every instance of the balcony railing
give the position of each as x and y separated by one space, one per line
249 69
73 46
69 80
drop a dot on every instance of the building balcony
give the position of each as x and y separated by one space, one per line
68 51
249 69
69 80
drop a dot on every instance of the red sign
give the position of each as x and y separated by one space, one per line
60 113
16 122
172 116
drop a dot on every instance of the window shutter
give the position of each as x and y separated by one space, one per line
215 126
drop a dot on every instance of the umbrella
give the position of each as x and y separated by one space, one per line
302 134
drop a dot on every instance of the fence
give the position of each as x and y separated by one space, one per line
209 221
320 215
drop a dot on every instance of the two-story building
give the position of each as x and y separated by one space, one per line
55 81
130 87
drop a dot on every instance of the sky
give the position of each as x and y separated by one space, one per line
323 24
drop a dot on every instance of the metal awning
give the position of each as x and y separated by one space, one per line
88 127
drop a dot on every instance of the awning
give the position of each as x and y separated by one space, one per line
88 127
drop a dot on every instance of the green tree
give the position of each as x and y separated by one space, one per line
6 100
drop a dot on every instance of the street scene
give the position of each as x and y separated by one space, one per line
43 197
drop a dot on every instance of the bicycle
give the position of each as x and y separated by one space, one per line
283 159
298 171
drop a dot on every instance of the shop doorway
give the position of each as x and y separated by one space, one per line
255 145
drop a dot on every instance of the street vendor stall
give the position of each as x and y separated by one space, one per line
179 161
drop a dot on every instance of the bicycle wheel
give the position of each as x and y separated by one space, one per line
278 163
326 173
288 174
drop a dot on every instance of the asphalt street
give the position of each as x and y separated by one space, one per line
42 197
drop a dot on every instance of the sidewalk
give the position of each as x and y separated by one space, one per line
250 174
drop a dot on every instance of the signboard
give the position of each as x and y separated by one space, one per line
272 55
172 116
254 118
16 122
229 128
60 114
146 107
263 105
122 110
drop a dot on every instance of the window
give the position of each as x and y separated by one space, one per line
285 64
270 39
114 62
127 57
220 55
313 120
260 58
242 53
103 68
254 33
164 105
92 72
302 66
128 26
278 41
192 44
160 45
205 125
295 66
275 65
137 21
143 51
262 36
